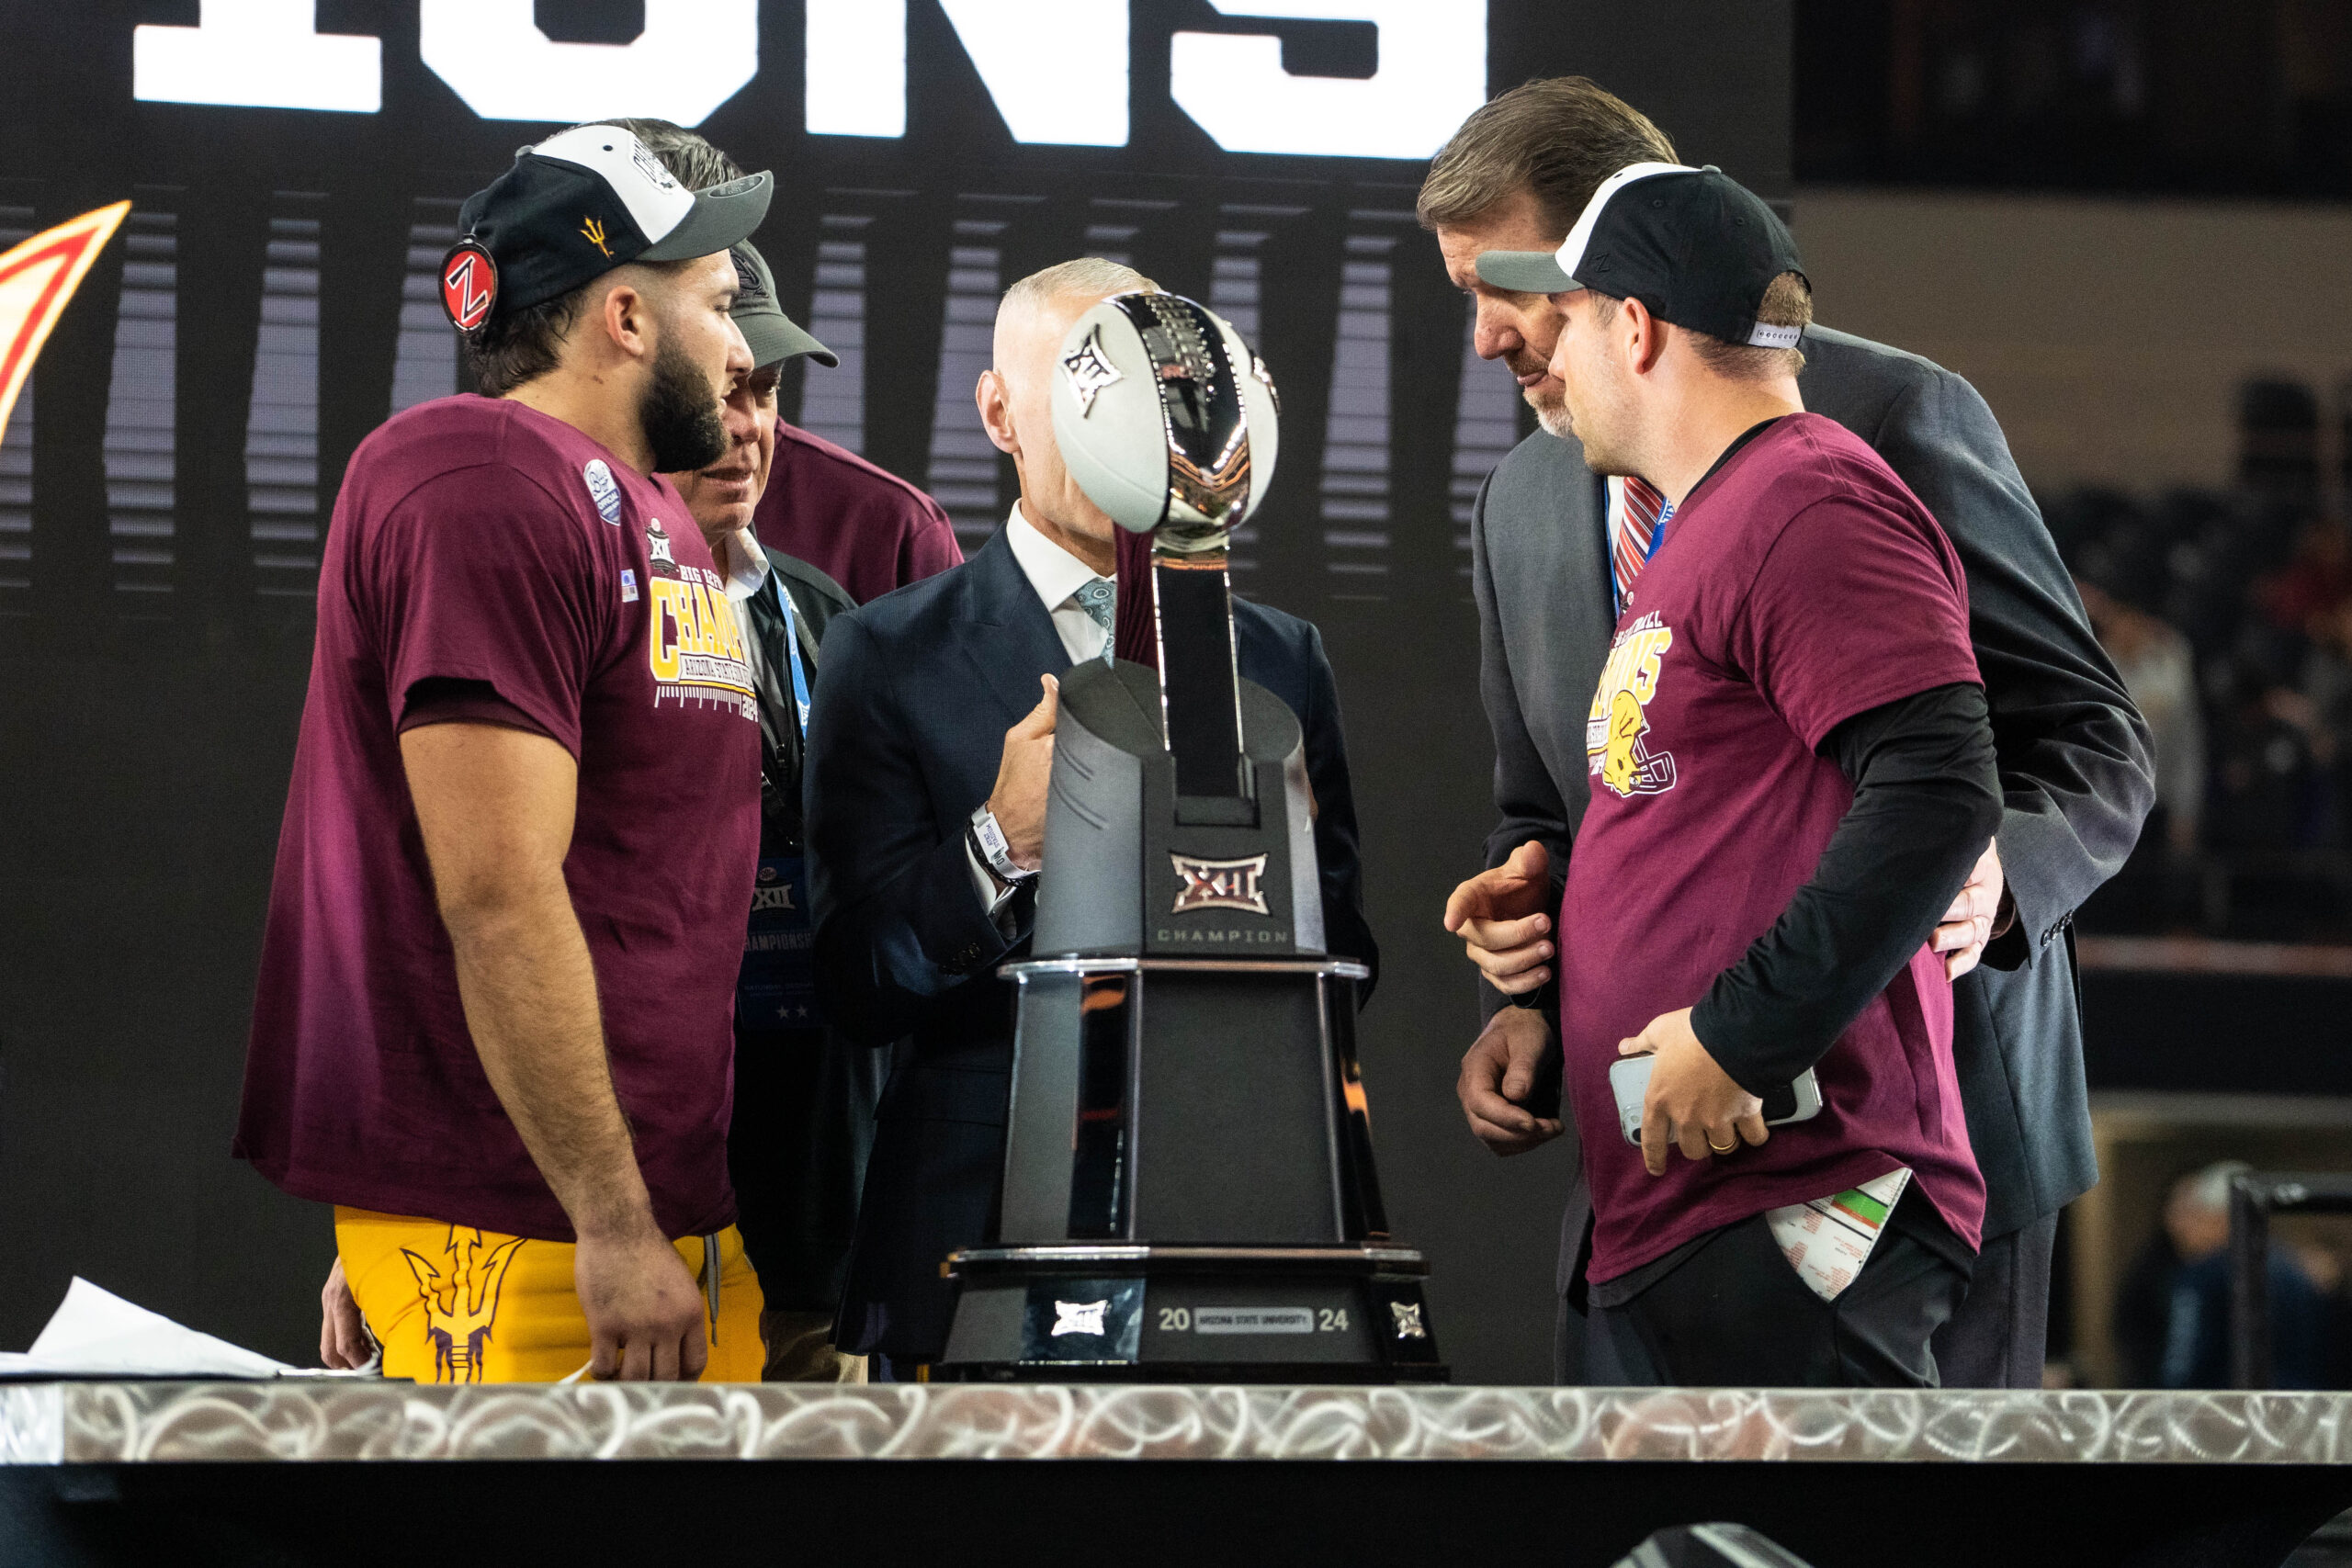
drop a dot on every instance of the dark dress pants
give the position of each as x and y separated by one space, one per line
1734 1314
797 1153
1997 1338
2000 1335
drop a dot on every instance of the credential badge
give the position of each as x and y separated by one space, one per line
603 490
1220 885
1090 371
1080 1317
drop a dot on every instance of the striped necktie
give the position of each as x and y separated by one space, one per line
1642 509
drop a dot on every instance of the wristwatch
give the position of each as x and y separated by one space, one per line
987 842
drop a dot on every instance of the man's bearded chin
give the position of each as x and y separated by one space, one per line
1546 398
680 414
1551 413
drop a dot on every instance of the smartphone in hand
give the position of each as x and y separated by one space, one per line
1629 1081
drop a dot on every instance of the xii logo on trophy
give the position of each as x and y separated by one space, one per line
1220 885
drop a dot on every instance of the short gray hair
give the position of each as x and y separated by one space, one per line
1097 275
2208 1190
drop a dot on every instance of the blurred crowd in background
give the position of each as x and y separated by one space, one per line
2172 1311
2228 615
2228 610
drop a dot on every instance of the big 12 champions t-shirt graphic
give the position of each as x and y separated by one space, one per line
478 543
695 649
1616 735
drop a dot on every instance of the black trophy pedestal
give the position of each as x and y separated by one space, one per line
1121 1312
1189 1190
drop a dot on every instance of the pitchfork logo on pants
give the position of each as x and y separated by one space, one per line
1220 885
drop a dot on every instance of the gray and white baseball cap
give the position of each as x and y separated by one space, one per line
576 206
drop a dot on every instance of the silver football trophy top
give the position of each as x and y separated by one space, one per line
1165 419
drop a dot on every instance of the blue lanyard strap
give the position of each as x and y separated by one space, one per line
792 646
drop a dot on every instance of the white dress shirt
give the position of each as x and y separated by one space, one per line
1055 575
746 566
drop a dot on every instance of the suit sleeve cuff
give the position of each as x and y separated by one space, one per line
997 900
965 934
2043 916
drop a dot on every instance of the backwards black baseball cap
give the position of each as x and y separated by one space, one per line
1695 247
574 207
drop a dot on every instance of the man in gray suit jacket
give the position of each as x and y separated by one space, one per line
2074 754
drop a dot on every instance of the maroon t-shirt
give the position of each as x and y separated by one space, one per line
479 541
863 526
1799 585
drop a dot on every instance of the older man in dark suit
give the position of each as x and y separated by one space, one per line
1554 548
926 820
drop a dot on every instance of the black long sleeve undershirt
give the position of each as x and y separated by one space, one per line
1927 801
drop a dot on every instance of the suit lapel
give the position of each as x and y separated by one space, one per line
1019 643
1588 562
1569 636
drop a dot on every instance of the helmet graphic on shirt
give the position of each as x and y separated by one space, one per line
1627 765
1616 738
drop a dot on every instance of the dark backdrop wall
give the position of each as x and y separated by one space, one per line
166 482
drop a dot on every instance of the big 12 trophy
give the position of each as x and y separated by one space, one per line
1189 1192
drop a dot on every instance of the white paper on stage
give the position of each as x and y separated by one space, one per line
94 1333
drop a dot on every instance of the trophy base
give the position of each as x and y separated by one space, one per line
1131 1312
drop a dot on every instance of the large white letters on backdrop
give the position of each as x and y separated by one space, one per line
257 53
1432 74
1058 69
692 56
1055 69
856 56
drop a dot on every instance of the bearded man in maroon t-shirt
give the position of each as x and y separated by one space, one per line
1792 773
493 1018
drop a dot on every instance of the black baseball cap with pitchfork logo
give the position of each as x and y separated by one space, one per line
574 207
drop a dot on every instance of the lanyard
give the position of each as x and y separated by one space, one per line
792 648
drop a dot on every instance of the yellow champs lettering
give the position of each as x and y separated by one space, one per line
669 627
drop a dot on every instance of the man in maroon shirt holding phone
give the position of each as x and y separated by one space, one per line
493 1018
1792 774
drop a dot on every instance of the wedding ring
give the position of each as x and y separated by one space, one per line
1722 1148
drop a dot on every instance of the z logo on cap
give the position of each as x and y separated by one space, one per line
595 233
469 285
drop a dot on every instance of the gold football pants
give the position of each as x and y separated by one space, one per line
450 1303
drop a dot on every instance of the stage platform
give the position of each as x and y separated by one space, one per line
363 1473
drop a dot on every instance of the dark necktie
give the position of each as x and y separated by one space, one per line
779 726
